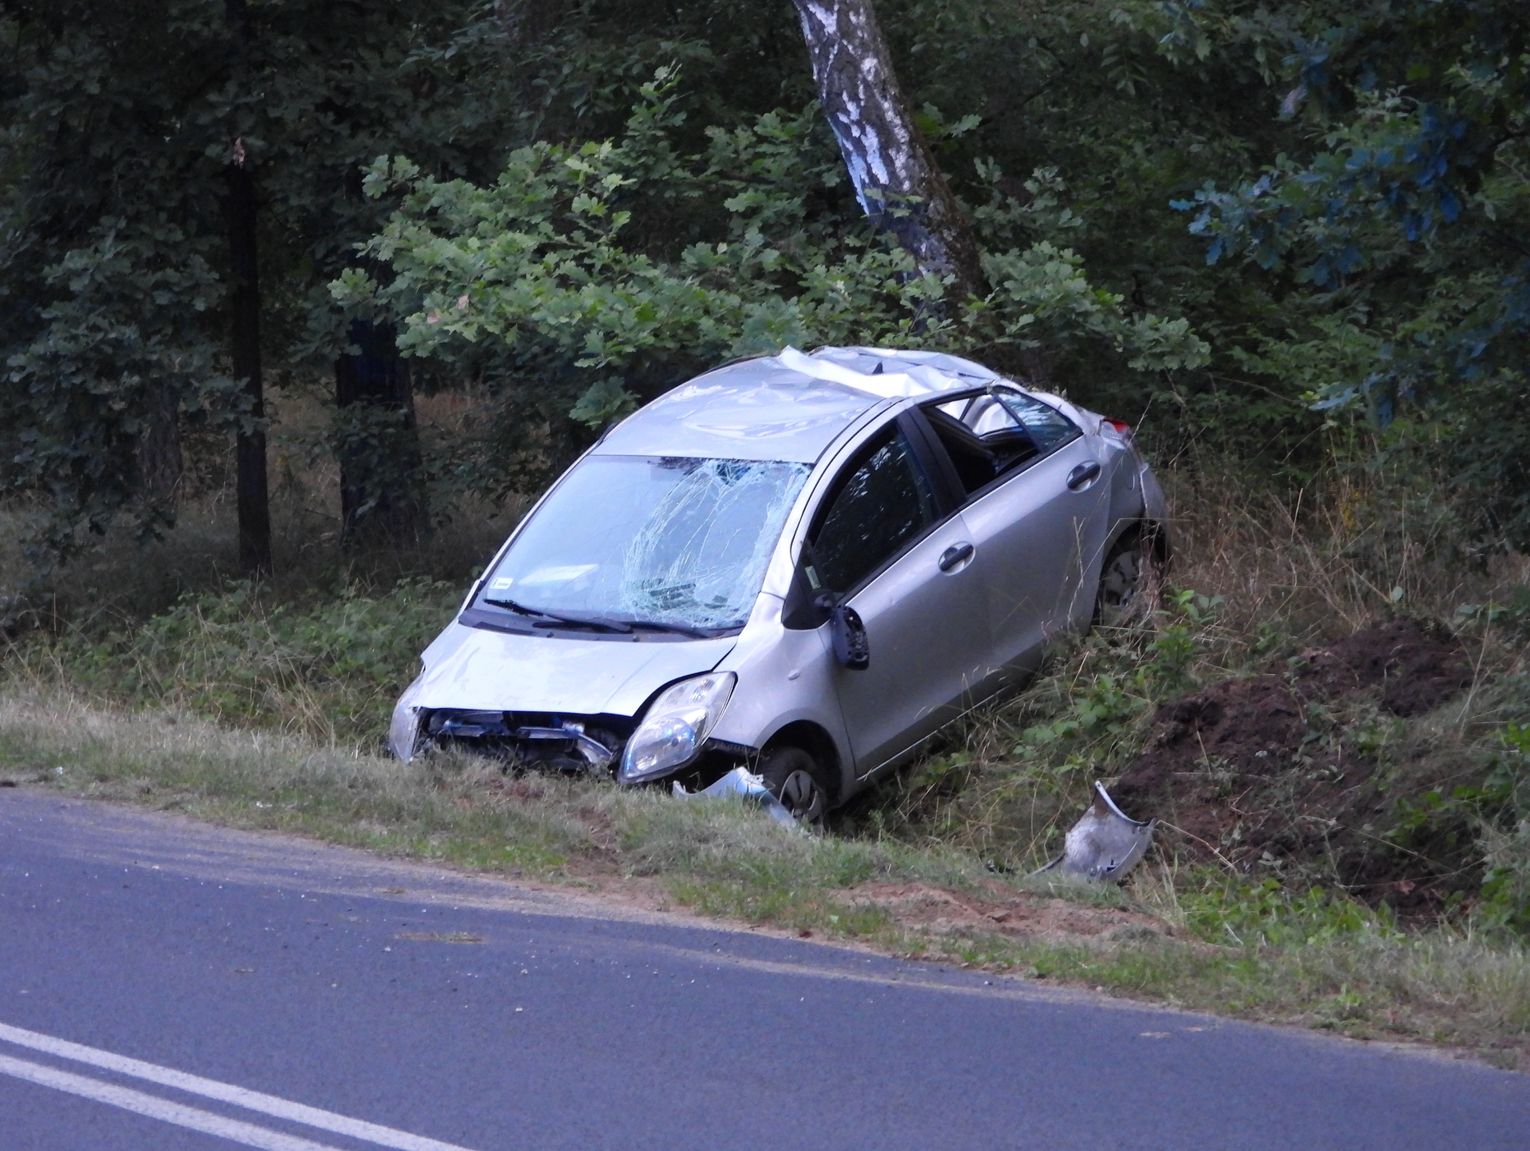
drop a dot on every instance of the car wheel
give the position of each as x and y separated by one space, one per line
1128 582
795 779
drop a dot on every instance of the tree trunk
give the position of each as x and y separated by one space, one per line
382 498
250 443
160 461
895 178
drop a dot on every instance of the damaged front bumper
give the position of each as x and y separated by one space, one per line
1104 844
562 743
569 745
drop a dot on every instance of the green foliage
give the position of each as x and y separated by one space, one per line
1268 914
1512 615
547 276
1398 211
84 393
1129 674
603 271
117 125
108 280
1042 299
1502 809
1181 639
329 669
1479 828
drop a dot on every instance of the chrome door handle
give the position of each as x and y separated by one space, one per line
1082 474
954 555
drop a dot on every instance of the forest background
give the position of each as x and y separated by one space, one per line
300 300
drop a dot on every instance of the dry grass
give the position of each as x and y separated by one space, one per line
1255 578
724 859
1327 560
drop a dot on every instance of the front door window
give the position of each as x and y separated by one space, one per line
883 504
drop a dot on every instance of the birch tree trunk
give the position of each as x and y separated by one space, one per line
896 180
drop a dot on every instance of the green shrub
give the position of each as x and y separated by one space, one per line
1267 913
328 668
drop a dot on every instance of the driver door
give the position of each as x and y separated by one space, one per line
882 543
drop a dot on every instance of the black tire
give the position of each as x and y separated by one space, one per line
1129 582
796 779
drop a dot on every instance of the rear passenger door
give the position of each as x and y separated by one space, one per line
1033 507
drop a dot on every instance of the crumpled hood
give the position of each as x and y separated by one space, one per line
476 669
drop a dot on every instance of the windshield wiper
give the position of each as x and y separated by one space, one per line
546 618
664 625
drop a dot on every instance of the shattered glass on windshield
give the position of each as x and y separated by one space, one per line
702 554
670 540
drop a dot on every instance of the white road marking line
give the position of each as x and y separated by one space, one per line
223 1092
156 1108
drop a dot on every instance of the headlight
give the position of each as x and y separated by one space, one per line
672 732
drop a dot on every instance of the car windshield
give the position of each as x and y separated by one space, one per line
676 541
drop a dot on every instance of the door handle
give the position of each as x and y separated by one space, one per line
954 555
1082 474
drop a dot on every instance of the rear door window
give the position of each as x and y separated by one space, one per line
995 433
1047 427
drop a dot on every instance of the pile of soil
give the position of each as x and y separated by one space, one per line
1269 769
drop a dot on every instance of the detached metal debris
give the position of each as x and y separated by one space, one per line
742 782
1105 843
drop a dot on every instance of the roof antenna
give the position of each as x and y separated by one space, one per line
877 371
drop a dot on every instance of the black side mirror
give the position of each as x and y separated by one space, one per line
848 634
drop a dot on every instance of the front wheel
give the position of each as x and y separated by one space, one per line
795 779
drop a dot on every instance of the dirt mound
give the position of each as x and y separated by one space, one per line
1275 767
1417 666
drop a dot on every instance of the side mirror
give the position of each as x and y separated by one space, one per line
848 633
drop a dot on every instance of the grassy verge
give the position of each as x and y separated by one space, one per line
1365 869
1319 963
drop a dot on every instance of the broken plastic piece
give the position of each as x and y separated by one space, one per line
1105 843
743 782
595 753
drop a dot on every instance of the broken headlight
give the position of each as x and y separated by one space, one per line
675 727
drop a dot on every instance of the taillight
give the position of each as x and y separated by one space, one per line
1121 426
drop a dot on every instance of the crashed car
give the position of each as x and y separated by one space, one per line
803 565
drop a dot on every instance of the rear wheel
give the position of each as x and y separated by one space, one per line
1128 582
797 781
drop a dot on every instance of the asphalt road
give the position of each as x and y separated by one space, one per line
166 985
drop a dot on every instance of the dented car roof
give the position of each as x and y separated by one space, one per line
786 407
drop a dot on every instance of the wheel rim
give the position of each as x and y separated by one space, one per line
801 795
1120 585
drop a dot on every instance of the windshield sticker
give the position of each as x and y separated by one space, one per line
557 574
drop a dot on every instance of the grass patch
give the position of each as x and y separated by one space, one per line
1317 961
1386 893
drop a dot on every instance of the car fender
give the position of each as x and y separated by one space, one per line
785 677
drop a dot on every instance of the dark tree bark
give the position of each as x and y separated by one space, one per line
382 498
251 487
250 442
895 178
377 442
160 460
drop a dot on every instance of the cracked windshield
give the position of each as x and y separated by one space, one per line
671 540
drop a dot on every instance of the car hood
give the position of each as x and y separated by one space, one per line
477 669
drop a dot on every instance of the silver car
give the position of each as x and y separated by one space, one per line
803 565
